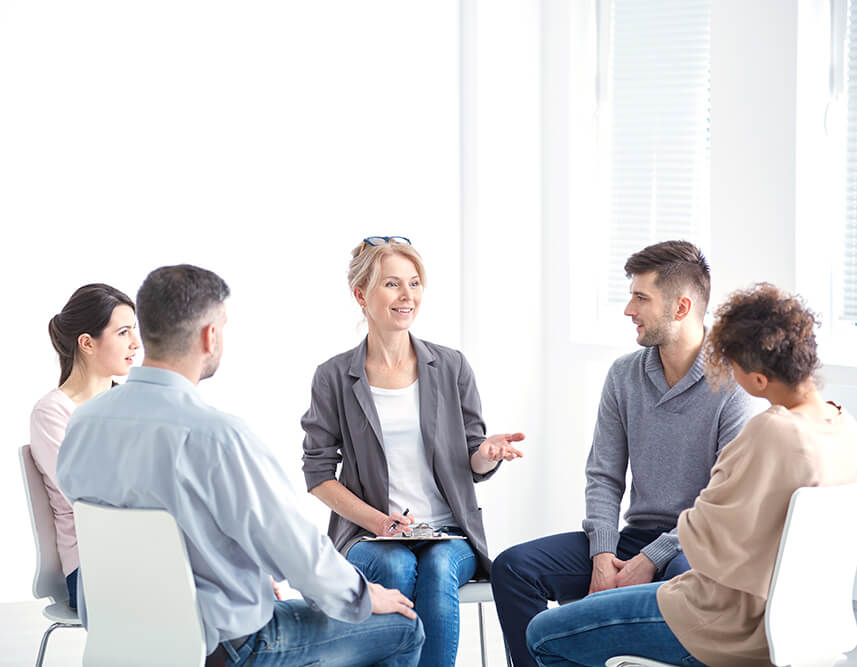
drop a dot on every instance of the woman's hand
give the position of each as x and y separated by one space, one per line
495 448
393 524
390 601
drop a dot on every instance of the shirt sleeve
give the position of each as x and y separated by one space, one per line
663 549
605 474
322 434
47 430
254 504
737 410
732 532
471 413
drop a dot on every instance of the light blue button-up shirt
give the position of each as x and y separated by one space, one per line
154 443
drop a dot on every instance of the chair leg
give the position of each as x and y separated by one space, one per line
40 658
482 637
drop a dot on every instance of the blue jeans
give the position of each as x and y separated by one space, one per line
71 586
620 621
429 573
298 635
558 567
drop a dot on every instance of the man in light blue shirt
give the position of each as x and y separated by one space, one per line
154 443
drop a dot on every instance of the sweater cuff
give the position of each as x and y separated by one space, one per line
662 550
603 540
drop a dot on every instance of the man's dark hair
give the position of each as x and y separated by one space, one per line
679 265
171 304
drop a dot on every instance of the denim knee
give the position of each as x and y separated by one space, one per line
540 627
443 564
390 567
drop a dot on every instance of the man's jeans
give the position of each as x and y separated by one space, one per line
558 567
297 635
620 621
429 573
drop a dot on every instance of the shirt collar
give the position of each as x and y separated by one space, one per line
151 375
655 370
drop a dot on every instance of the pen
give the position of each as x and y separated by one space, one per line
396 522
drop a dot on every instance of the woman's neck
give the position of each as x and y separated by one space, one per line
81 386
803 398
389 349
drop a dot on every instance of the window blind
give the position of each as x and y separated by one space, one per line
658 127
849 265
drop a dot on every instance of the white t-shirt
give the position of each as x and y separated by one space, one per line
412 484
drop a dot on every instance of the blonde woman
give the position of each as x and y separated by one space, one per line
402 417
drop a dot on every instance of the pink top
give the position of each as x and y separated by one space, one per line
47 430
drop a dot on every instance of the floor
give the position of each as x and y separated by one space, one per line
23 625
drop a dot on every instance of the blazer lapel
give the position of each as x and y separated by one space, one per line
362 393
429 389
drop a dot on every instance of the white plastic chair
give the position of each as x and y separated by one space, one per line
480 592
49 580
809 617
138 589
634 661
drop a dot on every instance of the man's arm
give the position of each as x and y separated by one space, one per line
737 409
605 486
254 505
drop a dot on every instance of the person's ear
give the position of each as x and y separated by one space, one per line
360 297
209 338
86 344
683 307
759 380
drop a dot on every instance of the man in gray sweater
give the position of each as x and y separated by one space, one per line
657 413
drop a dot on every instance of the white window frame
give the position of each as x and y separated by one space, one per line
590 174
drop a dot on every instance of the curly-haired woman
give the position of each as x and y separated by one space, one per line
714 613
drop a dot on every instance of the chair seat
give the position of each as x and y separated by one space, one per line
60 612
475 591
634 661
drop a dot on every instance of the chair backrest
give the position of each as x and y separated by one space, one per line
809 617
48 581
138 589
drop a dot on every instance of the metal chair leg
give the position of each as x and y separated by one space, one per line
482 637
40 658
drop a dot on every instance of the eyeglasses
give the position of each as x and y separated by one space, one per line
383 240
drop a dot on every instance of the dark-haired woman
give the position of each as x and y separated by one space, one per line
714 613
95 339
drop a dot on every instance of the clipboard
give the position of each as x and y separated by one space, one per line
410 538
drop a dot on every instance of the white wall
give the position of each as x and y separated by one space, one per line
264 141
261 140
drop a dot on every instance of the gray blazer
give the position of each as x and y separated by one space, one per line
342 426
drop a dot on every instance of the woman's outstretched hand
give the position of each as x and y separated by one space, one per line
495 448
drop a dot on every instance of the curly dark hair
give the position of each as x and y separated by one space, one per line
764 330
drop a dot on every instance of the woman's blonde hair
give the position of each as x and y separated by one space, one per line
365 266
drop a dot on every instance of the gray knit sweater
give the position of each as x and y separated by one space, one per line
670 435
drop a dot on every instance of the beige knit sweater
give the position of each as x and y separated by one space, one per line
732 532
